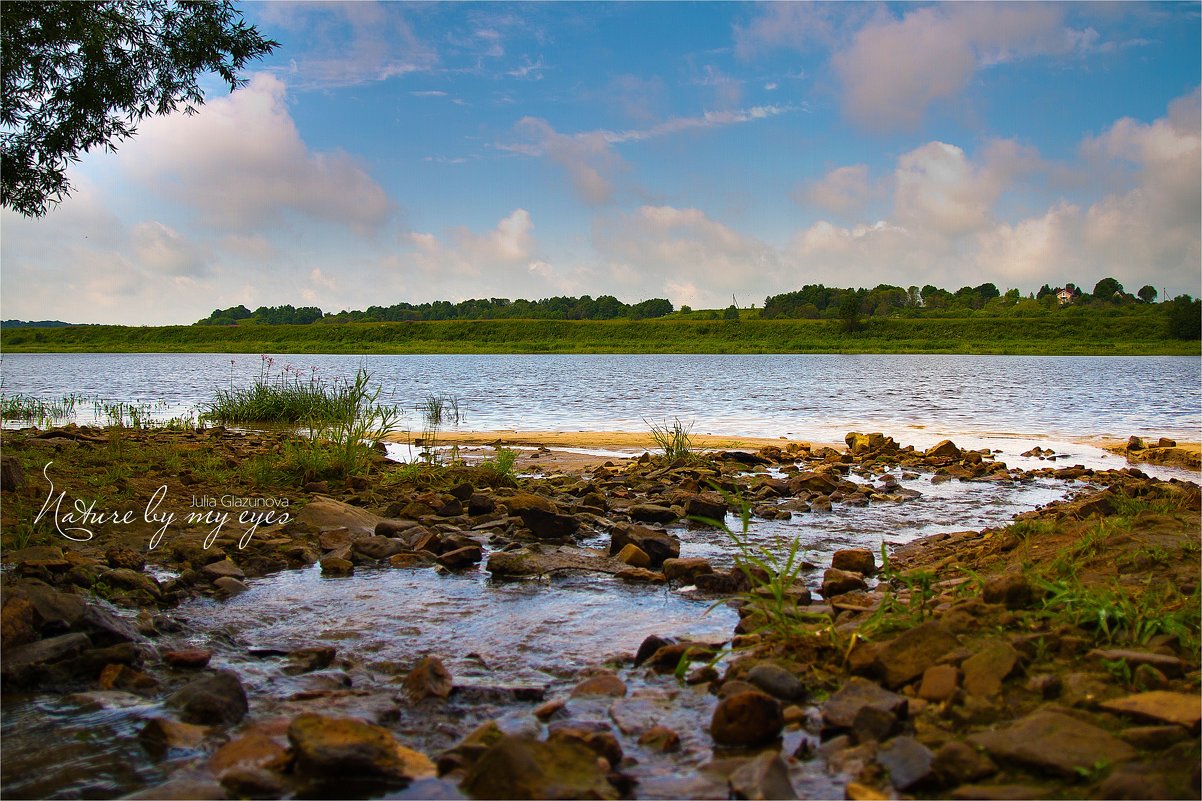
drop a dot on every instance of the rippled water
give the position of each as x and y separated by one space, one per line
541 633
920 397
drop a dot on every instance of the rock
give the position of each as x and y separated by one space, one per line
525 501
1153 738
601 684
1160 706
338 538
461 558
230 586
1165 442
1000 792
550 525
1134 443
254 749
942 450
1166 664
856 791
649 646
17 623
465 753
217 699
429 678
873 724
905 658
306 660
161 735
985 670
652 513
1011 589
958 763
598 738
837 582
746 719
907 760
939 683
867 444
1055 743
379 548
226 568
518 767
191 658
763 777
522 563
641 574
658 545
121 556
322 514
855 560
705 506
332 748
813 483
23 663
244 781
634 556
123 677
336 566
12 475
126 579
182 789
660 738
777 682
686 571
840 710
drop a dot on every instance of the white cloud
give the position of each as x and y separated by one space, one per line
659 250
464 253
895 69
842 191
162 249
242 164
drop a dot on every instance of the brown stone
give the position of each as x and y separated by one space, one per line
837 582
747 719
1165 663
855 560
641 574
17 623
905 658
956 762
601 684
255 749
188 657
1160 706
161 735
429 678
762 777
939 683
634 556
687 569
329 748
461 558
1055 743
660 738
123 677
985 670
517 767
336 566
840 710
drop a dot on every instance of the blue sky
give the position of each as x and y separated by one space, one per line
411 152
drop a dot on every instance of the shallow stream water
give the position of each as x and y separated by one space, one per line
510 643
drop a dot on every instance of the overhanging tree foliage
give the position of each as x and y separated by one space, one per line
79 75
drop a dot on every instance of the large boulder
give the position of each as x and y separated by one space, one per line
869 444
323 514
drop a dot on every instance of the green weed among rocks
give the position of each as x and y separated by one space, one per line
674 440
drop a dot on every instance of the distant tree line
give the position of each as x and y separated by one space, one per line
1183 314
34 324
605 307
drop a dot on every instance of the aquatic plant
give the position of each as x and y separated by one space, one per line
39 411
436 412
675 440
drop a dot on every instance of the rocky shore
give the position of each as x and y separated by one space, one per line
1055 657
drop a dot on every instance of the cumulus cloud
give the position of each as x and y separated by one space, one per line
657 250
242 164
465 253
164 250
842 191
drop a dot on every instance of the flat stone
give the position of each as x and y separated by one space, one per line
907 760
840 710
1055 743
188 657
1000 792
652 513
905 658
1153 738
939 683
1166 664
230 586
957 762
660 738
254 749
641 574
524 563
224 568
377 547
686 570
763 777
985 670
336 566
837 582
461 558
429 678
1161 706
19 662
323 514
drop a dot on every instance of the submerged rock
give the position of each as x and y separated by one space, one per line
214 700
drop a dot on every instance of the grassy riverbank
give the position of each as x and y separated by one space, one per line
1087 336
